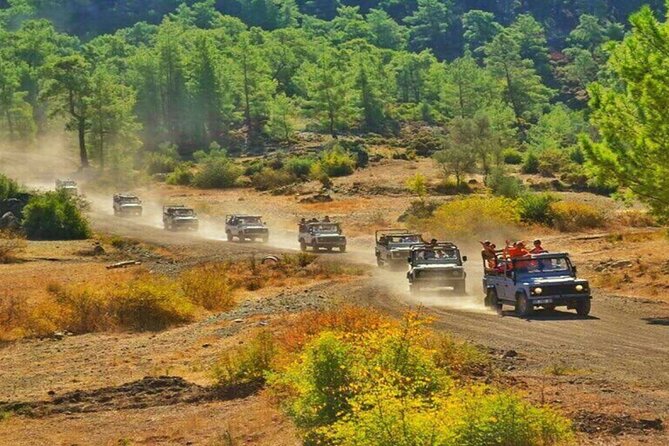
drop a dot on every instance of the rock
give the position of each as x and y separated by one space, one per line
9 221
318 198
238 321
206 345
98 250
510 354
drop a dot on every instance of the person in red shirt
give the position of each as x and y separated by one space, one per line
538 249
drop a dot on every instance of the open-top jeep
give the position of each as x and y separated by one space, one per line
67 186
436 266
321 235
540 280
246 227
180 218
393 247
127 205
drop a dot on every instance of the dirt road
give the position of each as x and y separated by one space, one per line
615 358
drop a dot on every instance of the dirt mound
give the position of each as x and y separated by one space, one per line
147 392
598 423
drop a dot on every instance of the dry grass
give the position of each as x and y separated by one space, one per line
11 246
570 216
349 319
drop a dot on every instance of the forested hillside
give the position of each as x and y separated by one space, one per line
159 76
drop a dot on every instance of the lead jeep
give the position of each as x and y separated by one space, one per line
68 186
246 227
127 205
436 266
393 247
540 280
321 235
180 218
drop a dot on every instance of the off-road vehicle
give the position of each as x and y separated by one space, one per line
127 205
393 247
321 235
180 218
540 280
67 186
436 266
246 227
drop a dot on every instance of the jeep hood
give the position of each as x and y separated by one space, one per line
557 280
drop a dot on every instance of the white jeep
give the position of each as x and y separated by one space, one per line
321 235
246 227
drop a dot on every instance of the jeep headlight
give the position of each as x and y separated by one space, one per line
538 291
580 288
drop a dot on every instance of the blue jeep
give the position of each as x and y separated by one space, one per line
541 280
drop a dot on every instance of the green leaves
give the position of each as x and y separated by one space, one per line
631 114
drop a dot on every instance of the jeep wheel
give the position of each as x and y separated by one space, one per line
228 235
342 249
523 306
583 308
379 262
460 288
303 246
414 289
492 301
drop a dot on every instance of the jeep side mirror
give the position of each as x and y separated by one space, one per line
574 270
464 258
409 260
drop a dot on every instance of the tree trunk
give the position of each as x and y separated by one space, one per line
83 153
10 124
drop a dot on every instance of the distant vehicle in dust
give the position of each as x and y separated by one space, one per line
127 205
246 228
393 247
319 235
547 280
436 266
68 186
180 218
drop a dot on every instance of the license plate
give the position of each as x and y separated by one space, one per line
543 301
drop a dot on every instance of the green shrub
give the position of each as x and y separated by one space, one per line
551 161
537 208
512 156
54 216
8 188
531 163
505 185
337 162
300 167
207 285
182 176
151 304
426 142
571 216
159 163
253 167
268 179
248 365
217 173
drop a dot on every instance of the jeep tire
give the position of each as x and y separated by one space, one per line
228 235
303 246
523 306
583 308
460 288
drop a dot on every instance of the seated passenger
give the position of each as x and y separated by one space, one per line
538 249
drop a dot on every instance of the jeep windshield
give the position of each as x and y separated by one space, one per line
325 228
184 212
399 241
129 200
542 265
250 221
436 257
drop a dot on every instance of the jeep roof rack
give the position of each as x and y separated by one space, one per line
391 232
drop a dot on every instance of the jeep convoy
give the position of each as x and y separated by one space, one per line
539 280
246 227
319 235
180 218
436 266
393 247
126 205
